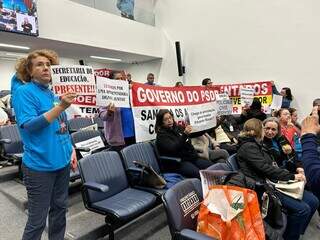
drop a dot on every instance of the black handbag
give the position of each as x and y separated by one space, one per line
149 177
274 212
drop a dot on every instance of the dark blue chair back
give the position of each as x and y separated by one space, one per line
182 203
11 132
104 168
143 152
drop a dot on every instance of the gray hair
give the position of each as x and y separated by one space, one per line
275 120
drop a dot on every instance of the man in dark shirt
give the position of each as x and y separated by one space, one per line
27 26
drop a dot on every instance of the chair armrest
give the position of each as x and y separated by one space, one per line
134 170
170 159
82 149
96 187
187 234
5 140
100 150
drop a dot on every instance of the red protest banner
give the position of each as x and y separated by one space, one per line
146 95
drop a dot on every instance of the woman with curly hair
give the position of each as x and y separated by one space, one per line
42 123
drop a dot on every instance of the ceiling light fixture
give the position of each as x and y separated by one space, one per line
107 58
13 46
16 54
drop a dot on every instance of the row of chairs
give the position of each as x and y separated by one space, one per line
107 190
11 146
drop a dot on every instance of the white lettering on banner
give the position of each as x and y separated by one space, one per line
181 102
145 119
93 144
189 203
152 95
234 89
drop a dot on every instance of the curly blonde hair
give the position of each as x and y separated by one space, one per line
24 65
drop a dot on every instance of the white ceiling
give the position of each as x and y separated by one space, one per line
67 50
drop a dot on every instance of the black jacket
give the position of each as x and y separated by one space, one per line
255 162
287 161
258 114
173 142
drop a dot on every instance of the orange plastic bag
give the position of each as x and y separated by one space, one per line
231 213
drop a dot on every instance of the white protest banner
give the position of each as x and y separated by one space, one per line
203 117
188 103
80 80
92 144
276 102
246 95
112 91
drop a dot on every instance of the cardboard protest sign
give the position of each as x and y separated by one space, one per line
196 105
112 91
246 95
224 104
78 79
276 102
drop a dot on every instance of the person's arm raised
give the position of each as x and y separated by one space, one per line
65 102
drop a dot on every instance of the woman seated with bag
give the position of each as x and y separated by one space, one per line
279 147
173 141
256 162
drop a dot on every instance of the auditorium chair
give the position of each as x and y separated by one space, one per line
182 204
11 145
81 136
76 124
97 120
143 152
106 190
86 135
162 159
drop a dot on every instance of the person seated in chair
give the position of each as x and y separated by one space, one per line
173 141
256 162
279 147
209 149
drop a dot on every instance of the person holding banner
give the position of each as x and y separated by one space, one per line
43 127
254 111
286 95
118 123
173 141
150 79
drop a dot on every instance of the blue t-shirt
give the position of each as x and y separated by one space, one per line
127 122
48 148
15 84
